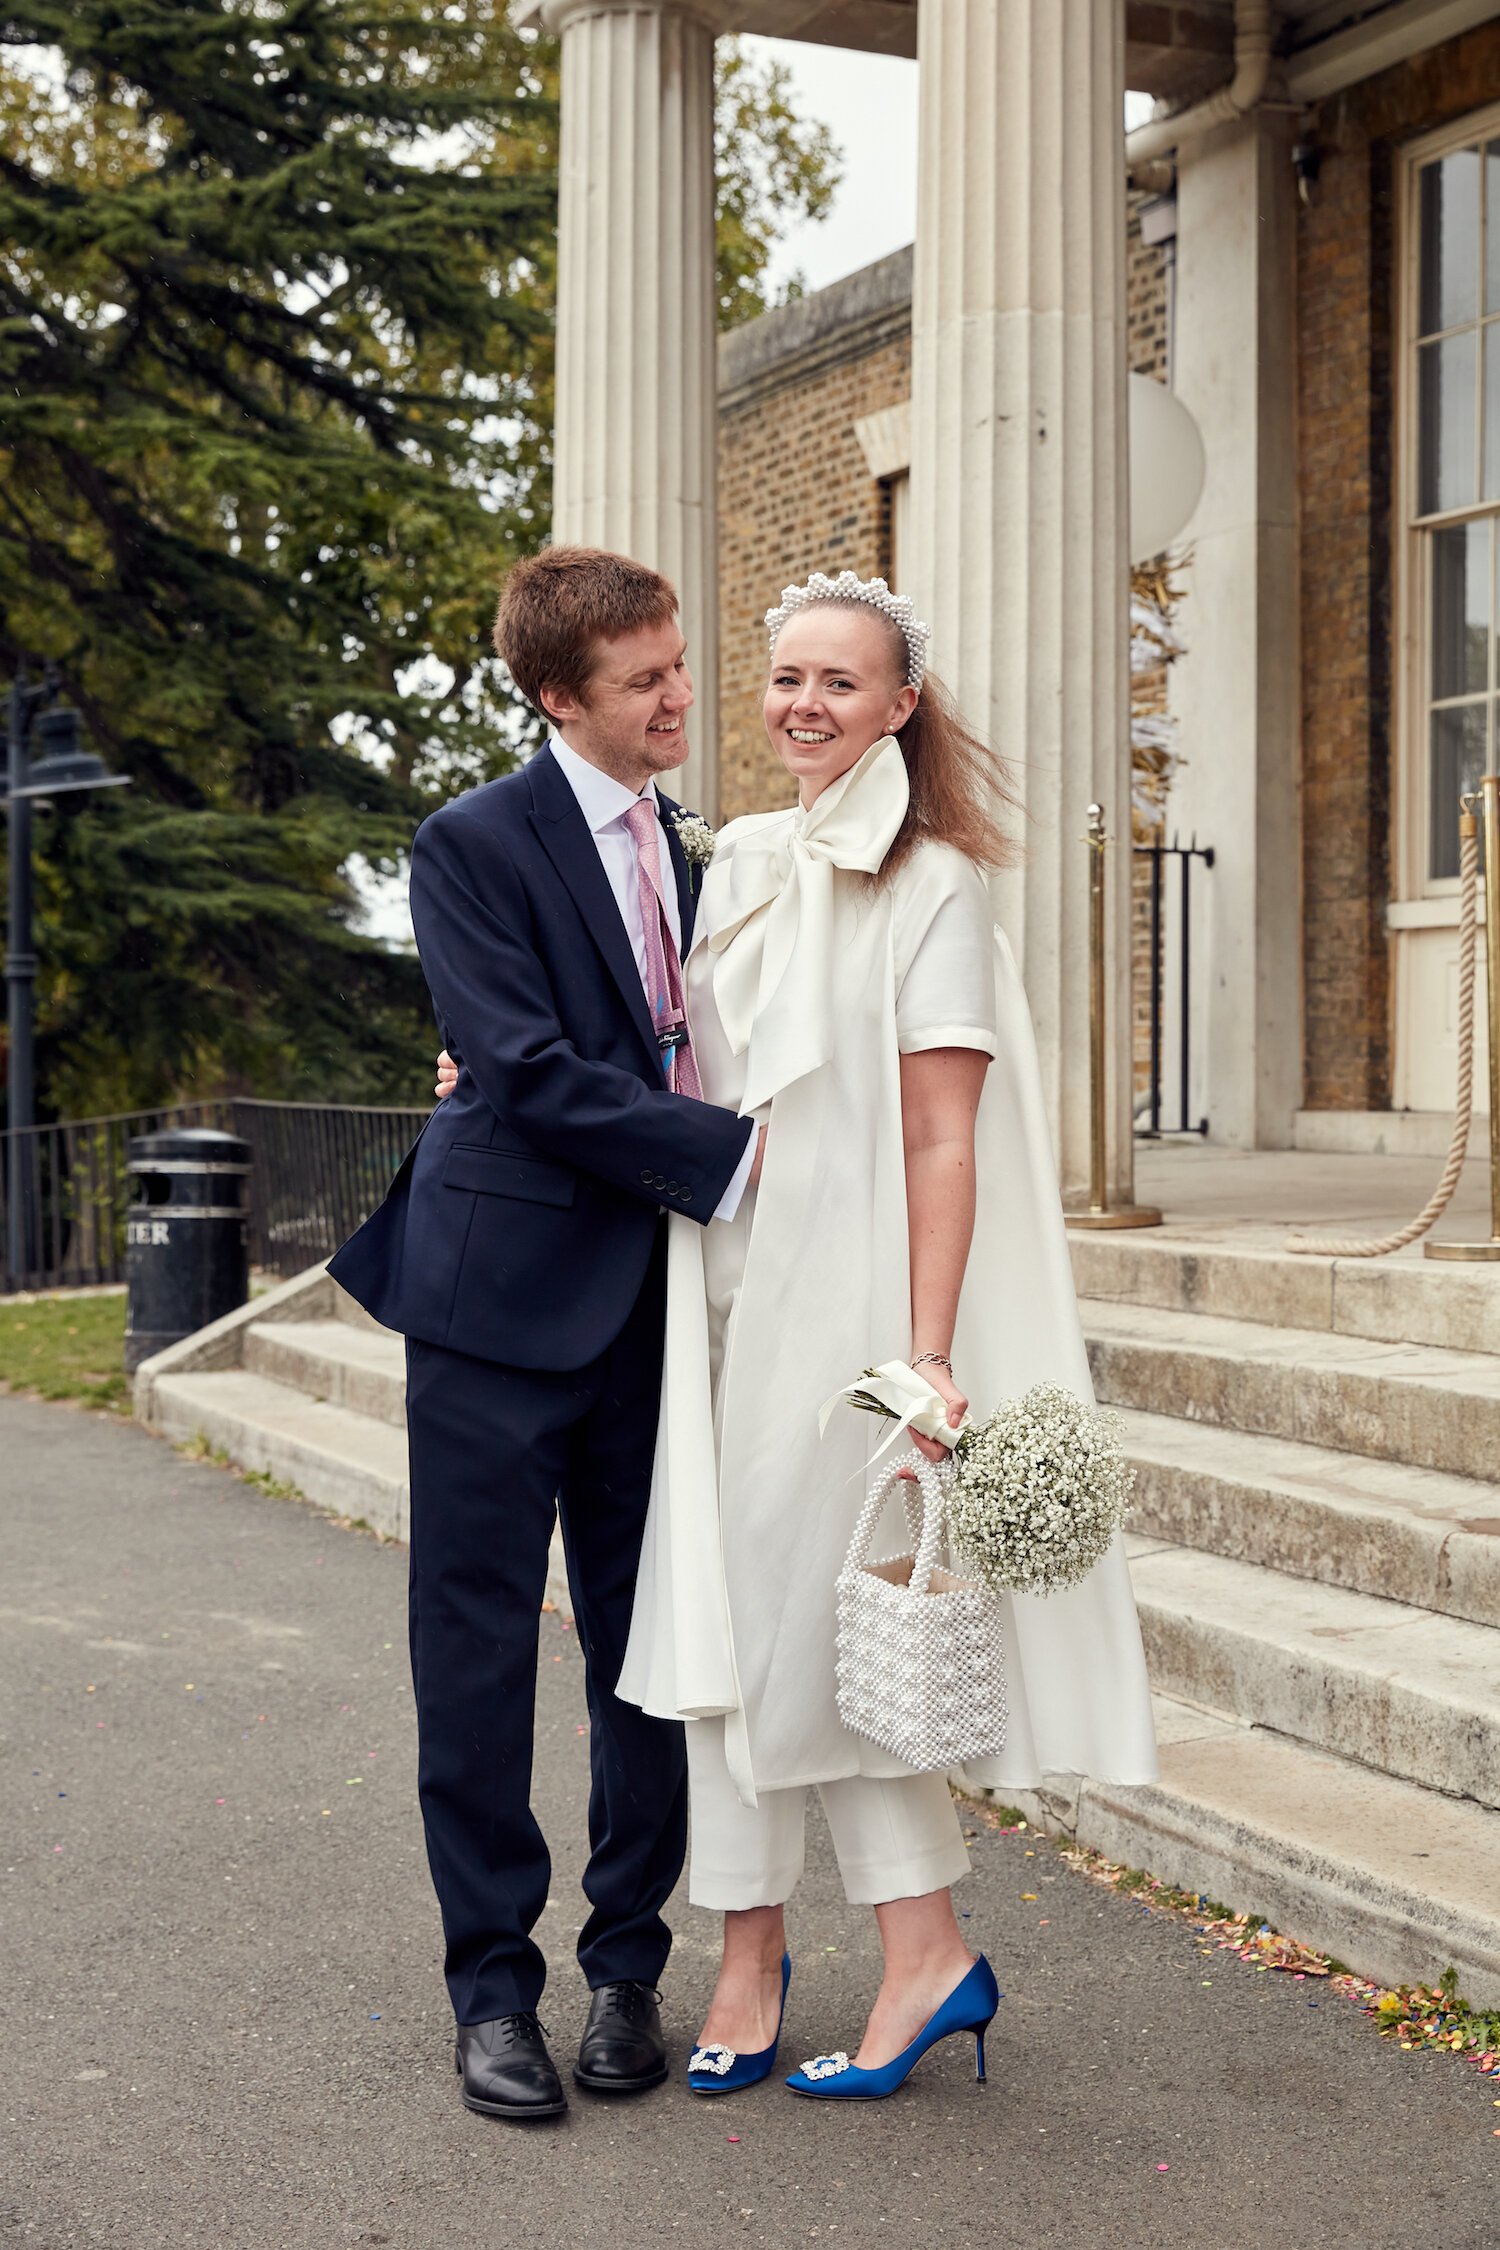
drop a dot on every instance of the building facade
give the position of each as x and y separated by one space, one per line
1309 256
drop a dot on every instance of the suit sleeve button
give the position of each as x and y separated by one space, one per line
645 1179
660 1181
687 1195
671 1187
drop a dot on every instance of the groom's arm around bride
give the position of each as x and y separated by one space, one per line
521 1224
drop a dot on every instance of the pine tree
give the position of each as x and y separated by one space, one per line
275 368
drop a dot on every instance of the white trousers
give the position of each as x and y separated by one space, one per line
894 1839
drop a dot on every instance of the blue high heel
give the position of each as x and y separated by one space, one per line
970 2006
719 2070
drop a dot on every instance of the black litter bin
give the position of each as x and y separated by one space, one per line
186 1260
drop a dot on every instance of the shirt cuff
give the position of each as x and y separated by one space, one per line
730 1200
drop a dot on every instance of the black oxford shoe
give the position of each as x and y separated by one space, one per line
506 2069
622 2050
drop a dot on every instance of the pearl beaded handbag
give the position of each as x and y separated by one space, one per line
921 1660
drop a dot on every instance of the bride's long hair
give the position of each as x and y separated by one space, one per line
958 784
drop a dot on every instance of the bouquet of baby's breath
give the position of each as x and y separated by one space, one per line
1039 1491
1036 1493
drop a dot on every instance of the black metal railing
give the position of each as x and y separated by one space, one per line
1171 931
317 1171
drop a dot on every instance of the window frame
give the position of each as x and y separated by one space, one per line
1414 888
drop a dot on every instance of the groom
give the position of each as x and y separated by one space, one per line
521 1251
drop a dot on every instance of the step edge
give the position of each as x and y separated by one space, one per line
170 1394
1156 1442
1387 1932
1245 1335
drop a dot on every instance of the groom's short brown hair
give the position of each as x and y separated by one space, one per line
558 605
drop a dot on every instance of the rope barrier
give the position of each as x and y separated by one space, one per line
1344 1246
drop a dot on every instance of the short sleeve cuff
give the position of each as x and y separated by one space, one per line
917 1042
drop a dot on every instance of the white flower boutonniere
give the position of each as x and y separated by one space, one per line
696 838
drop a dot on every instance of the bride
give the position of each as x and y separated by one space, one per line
848 988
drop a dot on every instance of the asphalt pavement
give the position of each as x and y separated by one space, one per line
224 2021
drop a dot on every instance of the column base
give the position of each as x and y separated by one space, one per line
1128 1215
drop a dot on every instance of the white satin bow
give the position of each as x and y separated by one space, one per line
773 936
914 1402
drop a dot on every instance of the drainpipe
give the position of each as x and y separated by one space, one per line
1151 143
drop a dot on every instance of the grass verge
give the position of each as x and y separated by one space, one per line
66 1346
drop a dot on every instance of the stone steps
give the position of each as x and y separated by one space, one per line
1390 1878
341 1460
1416 1403
1405 1299
361 1369
1376 1527
1379 1683
302 1386
1316 1556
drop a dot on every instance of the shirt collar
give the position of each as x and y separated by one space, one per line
601 799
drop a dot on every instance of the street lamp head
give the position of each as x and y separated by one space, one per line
61 766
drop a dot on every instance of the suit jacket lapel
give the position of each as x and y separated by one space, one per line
687 900
569 844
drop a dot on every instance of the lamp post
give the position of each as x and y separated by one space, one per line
60 768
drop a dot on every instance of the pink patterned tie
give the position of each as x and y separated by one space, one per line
663 980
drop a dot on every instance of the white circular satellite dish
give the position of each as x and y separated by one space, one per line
1166 467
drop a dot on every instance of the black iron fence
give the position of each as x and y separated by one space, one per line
1170 979
318 1170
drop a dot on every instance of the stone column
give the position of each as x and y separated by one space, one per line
1236 692
636 435
1019 479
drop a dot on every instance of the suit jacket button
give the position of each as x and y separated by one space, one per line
645 1179
687 1195
671 1187
659 1181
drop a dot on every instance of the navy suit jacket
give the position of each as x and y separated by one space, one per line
522 1222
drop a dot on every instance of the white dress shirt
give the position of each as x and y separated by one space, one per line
604 802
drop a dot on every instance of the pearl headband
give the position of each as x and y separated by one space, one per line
872 591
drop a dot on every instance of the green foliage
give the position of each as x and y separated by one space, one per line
259 371
772 167
276 300
70 1346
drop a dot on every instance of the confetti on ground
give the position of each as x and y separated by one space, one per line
733 2138
1163 2167
1417 2017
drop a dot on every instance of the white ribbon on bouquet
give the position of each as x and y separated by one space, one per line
908 1396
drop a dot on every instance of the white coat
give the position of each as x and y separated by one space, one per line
805 985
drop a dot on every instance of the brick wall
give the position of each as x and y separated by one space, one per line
1345 435
1145 297
795 492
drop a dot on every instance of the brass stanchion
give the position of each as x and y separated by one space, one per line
1098 1213
1474 1251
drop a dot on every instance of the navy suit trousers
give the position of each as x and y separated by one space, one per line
496 1453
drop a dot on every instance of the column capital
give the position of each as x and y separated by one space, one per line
555 16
